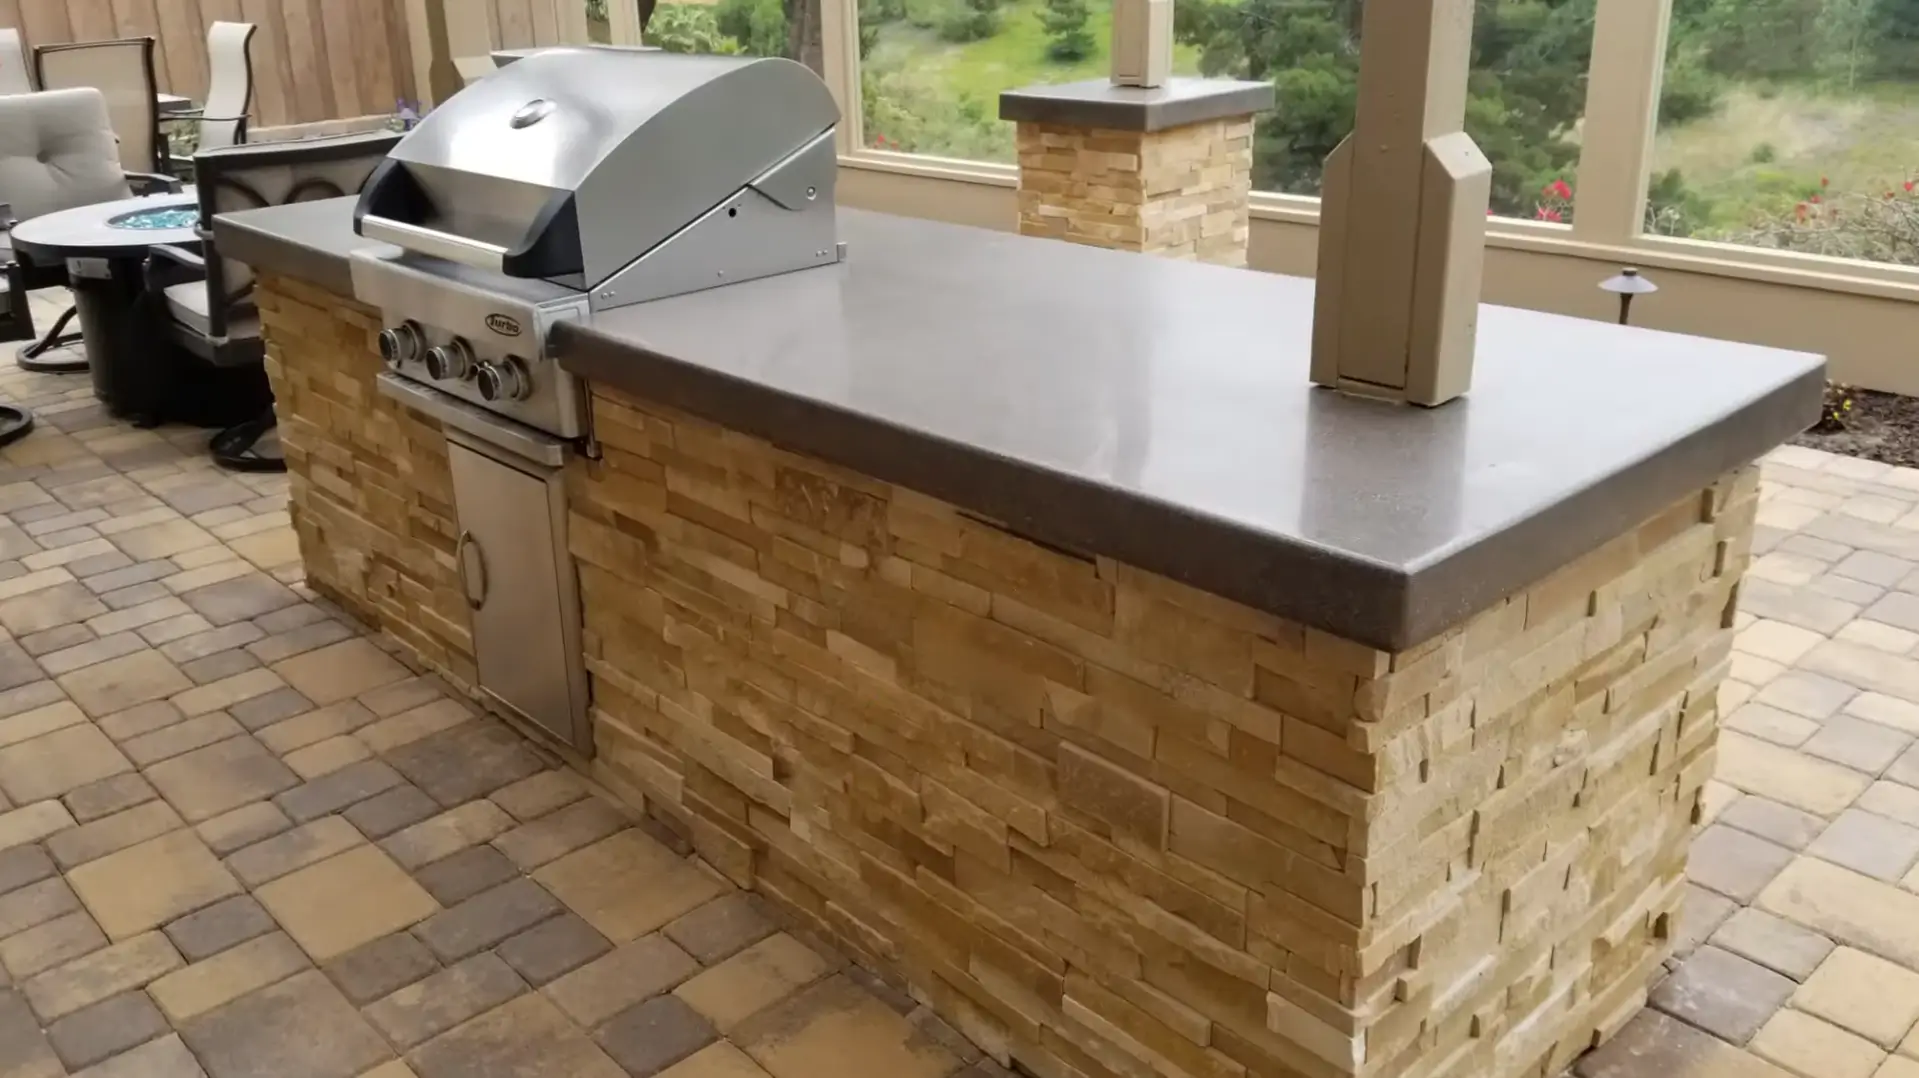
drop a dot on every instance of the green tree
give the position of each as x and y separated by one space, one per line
1846 36
1067 38
1897 52
789 28
1308 50
1528 85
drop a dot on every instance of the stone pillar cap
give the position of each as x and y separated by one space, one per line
1099 103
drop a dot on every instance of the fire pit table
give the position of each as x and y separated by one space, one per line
138 373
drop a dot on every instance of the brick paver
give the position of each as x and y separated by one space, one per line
238 837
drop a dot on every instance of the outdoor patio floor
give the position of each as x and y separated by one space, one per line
238 838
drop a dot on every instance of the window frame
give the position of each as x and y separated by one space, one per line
1625 77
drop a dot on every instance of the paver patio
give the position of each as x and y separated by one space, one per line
238 838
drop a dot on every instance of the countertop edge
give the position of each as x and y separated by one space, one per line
1455 587
274 252
1099 104
1034 502
1371 603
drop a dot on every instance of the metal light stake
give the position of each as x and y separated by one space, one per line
1627 285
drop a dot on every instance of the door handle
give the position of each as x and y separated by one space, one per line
475 599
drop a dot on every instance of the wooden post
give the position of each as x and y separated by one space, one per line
623 22
570 17
1403 219
435 78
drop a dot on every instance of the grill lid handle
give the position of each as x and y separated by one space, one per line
392 203
426 241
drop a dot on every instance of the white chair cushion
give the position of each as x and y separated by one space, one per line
188 305
57 151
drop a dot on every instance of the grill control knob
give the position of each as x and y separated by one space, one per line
506 380
452 361
401 343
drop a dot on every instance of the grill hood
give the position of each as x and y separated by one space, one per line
571 164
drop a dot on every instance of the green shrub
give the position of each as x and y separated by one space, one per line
969 20
1690 91
1836 414
1879 228
911 112
758 25
1068 40
1673 208
689 28
1763 154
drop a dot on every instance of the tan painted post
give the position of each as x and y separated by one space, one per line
1142 42
1622 115
1403 223
840 55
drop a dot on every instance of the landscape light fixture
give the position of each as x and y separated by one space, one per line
1628 284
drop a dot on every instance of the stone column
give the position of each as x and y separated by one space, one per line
1164 170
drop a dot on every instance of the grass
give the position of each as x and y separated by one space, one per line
911 60
1864 141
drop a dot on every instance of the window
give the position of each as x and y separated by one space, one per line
789 28
931 71
1790 124
1528 87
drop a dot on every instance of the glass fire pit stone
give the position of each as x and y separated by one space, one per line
157 219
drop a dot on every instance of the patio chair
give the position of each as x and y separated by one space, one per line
57 151
223 119
206 301
15 77
123 72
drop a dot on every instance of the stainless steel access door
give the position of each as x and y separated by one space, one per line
520 585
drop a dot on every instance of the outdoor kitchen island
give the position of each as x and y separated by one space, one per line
1017 616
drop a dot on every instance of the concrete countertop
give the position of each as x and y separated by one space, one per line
1097 103
309 241
1159 412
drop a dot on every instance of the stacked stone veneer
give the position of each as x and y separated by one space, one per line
1107 824
1180 192
372 496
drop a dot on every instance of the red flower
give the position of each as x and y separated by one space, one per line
1909 185
1562 189
1549 213
1814 200
1824 182
1800 211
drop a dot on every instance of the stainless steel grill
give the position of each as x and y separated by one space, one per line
570 182
581 180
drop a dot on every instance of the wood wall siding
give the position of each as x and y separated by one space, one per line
312 59
517 24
